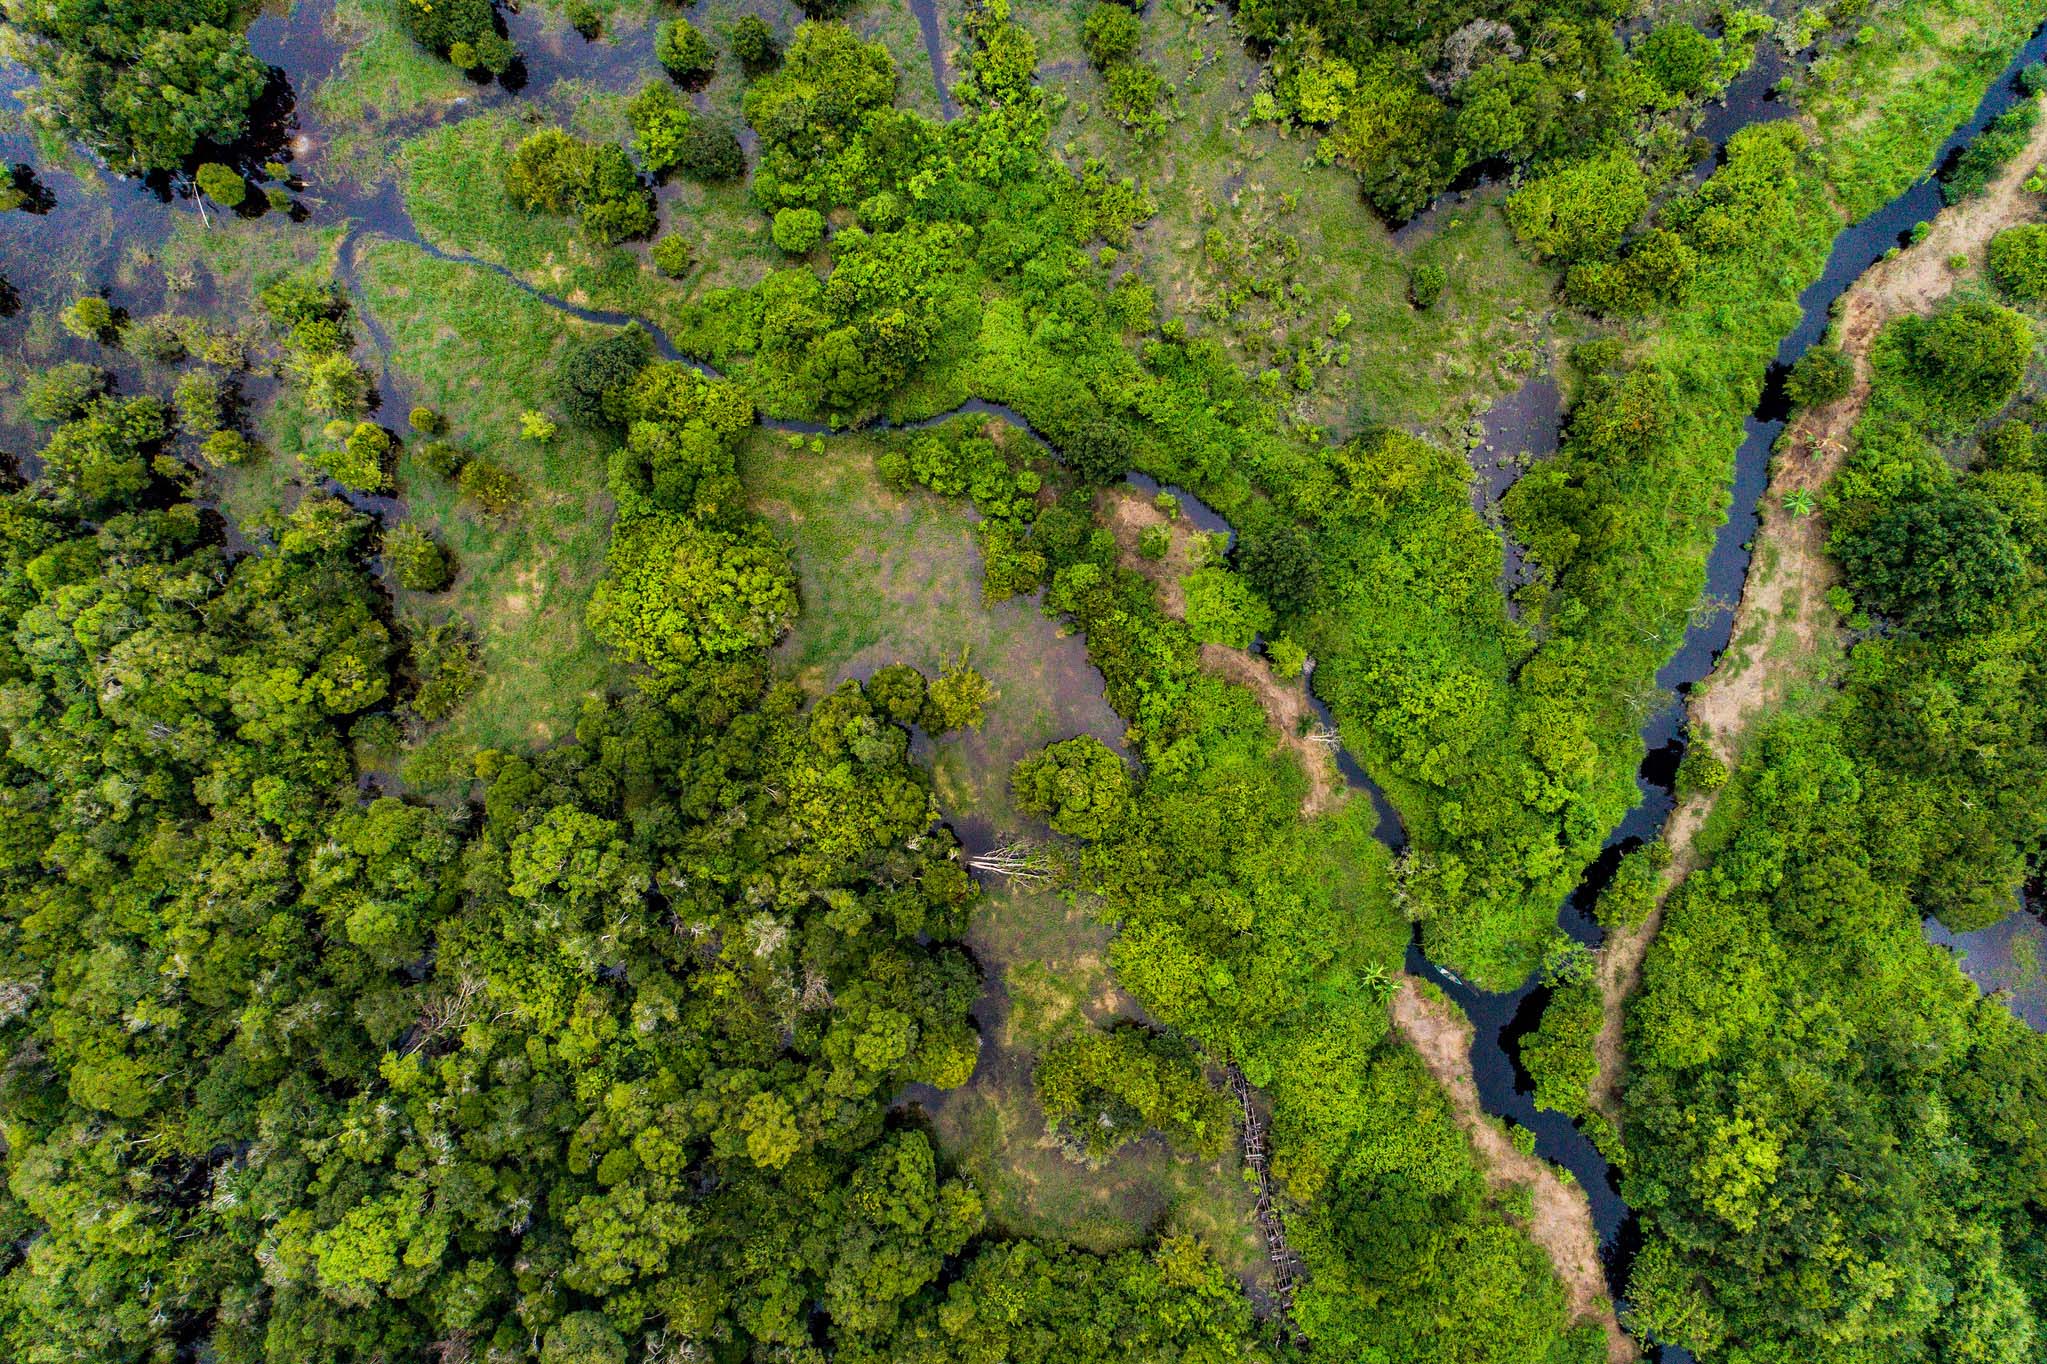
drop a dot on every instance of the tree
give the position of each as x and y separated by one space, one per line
1080 786
1282 564
222 184
798 230
1939 564
1680 59
415 558
1579 211
753 42
684 52
1969 358
1111 34
62 392
2018 261
956 700
89 318
1820 376
674 256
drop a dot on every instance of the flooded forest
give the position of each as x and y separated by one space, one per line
910 681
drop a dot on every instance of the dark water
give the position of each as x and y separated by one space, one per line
934 50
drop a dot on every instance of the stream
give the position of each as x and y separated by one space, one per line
297 42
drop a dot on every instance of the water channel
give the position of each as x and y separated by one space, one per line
298 43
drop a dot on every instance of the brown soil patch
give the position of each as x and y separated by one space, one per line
1561 1223
1128 513
1782 625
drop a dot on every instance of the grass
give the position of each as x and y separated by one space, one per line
477 349
888 577
384 81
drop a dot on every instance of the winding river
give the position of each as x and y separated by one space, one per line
297 42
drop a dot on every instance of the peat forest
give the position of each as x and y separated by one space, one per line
909 681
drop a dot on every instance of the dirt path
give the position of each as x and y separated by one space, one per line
1561 1221
1783 636
1128 513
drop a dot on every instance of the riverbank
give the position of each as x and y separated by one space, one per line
1786 636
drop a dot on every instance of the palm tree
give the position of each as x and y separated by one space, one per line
1799 502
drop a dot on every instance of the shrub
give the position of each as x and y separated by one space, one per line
415 558
200 402
491 486
1938 563
1969 359
584 18
1135 89
753 43
426 421
1679 58
225 448
589 385
684 52
2010 446
2018 261
1285 657
222 184
1983 158
2033 78
798 230
1425 284
439 458
1153 542
1111 34
1102 1090
957 699
674 256
157 340
1580 210
1821 375
1701 772
1224 609
89 318
61 392
710 151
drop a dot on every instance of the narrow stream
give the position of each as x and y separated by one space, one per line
1503 1019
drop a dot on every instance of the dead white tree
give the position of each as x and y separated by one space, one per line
1024 863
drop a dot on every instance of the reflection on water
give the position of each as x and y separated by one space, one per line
2010 956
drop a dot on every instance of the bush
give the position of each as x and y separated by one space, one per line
584 19
225 448
1135 89
1224 609
1983 158
1679 58
444 656
222 184
1939 563
590 383
1821 375
798 230
897 691
1969 359
416 560
753 43
439 458
491 486
335 386
464 31
426 421
1111 34
537 426
1153 542
157 340
1425 284
1080 786
553 172
59 393
2010 446
2018 262
1580 210
1701 772
89 318
674 256
684 52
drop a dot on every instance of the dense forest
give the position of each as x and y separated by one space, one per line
752 683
